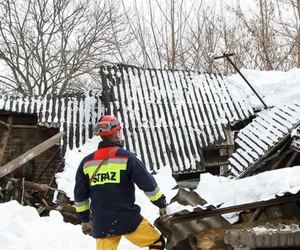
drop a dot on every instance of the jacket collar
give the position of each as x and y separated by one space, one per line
105 144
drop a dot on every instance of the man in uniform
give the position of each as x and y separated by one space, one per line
105 186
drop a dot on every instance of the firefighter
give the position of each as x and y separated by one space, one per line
105 192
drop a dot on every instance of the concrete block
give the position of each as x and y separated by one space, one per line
244 248
259 240
262 239
232 237
282 239
296 240
274 240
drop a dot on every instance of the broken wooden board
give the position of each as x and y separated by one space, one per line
22 159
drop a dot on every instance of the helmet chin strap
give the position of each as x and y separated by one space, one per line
118 139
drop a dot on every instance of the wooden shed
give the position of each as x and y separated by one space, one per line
36 132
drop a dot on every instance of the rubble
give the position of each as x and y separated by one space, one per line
32 193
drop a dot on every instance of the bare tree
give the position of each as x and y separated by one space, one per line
204 37
288 26
180 34
49 46
263 47
159 29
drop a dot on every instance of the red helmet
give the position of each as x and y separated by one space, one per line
107 125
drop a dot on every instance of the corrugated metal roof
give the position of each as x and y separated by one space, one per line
73 113
168 116
263 134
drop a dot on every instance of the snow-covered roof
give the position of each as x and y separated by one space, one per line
265 132
73 113
168 116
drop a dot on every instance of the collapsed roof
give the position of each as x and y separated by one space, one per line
221 204
169 116
258 140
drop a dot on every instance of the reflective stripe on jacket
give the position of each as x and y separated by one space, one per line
111 196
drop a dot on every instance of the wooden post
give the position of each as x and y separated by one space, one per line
17 184
5 138
22 159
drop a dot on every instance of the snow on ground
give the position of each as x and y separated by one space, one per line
21 228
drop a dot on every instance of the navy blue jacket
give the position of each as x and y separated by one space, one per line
111 196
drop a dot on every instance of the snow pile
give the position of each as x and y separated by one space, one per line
224 192
272 86
22 228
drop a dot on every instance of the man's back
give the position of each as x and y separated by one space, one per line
105 185
112 190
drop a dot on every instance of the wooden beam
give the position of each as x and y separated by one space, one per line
291 160
22 159
173 219
65 214
24 126
69 207
32 185
4 124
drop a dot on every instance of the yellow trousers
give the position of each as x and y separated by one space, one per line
145 235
